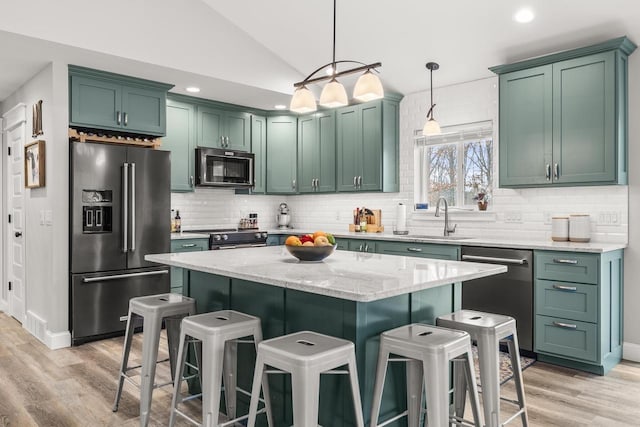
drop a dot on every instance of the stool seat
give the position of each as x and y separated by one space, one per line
488 329
308 348
152 310
226 322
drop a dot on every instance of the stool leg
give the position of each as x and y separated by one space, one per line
381 373
126 349
257 338
229 369
472 387
355 391
177 378
460 385
305 393
414 392
150 343
436 379
490 376
258 376
517 376
212 360
172 325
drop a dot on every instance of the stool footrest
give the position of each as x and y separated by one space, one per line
461 421
244 417
186 417
512 401
514 416
390 420
190 397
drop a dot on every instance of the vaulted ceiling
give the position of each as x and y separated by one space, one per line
251 52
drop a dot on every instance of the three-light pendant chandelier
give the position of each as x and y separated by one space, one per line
367 88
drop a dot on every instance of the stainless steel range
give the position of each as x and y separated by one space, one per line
231 238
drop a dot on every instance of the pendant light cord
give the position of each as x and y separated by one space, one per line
334 38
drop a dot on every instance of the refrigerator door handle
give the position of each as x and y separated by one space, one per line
125 205
133 207
124 276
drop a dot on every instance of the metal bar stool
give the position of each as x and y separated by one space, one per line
218 333
152 310
488 330
305 355
427 350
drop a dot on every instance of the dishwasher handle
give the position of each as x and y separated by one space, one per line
512 261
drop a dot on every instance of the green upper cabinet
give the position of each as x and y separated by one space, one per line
218 128
180 140
259 149
102 100
317 152
281 171
367 146
563 118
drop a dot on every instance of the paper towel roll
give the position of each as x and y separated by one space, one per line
401 217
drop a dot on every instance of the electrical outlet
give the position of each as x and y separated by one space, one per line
48 217
609 218
513 217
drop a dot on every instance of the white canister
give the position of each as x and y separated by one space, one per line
579 228
560 228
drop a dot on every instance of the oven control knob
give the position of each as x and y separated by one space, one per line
264 235
225 237
258 235
216 237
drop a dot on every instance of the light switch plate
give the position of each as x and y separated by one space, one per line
48 217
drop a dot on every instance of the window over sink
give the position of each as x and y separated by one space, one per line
458 165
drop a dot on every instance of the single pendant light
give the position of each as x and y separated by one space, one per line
368 87
333 95
431 127
303 101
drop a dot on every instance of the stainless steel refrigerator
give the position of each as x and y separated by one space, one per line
119 212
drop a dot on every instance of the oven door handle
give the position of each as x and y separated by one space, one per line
494 259
251 245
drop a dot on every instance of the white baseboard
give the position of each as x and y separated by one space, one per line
631 351
37 326
4 306
56 340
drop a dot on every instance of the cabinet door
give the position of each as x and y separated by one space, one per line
95 103
348 147
144 110
358 245
308 153
237 128
526 127
210 127
259 149
584 140
371 146
180 141
281 155
326 174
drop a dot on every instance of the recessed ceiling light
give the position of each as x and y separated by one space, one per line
524 16
280 107
193 89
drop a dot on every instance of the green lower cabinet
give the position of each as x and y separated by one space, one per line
575 301
570 338
423 250
178 275
361 245
343 244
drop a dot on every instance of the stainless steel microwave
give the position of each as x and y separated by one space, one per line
219 167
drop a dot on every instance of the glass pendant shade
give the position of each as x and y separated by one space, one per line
303 101
333 95
368 87
431 128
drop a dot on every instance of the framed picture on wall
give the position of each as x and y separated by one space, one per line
34 164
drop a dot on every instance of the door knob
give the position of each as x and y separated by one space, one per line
18 234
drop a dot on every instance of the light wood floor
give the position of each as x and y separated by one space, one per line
76 387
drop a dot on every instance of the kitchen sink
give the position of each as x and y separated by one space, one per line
439 237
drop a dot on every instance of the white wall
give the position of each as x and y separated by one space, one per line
46 278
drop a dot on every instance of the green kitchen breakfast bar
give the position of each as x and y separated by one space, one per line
350 295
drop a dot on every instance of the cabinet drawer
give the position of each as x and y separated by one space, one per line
567 266
422 250
189 245
569 338
573 301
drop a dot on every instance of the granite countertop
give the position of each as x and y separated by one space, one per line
503 242
352 276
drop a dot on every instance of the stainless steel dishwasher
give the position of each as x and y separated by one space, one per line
509 293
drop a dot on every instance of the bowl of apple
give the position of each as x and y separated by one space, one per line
311 247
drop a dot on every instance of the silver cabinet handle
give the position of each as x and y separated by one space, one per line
125 205
221 141
355 182
565 288
118 116
124 276
556 171
360 248
414 249
293 184
191 180
133 207
366 247
226 141
313 183
359 181
548 172
189 245
565 325
126 119
565 261
317 183
494 259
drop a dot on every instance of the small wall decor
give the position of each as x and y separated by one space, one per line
34 156
37 119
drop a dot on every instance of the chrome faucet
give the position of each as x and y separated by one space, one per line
447 230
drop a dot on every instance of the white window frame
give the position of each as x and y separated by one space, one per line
456 135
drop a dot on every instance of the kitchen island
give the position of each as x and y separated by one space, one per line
351 295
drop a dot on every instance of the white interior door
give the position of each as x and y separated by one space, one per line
14 191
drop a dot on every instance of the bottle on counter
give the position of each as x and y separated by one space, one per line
178 222
173 222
